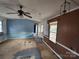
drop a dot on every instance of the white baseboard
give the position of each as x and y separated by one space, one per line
77 54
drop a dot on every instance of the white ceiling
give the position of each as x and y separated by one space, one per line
39 9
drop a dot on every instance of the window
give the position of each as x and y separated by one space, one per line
53 31
40 29
1 26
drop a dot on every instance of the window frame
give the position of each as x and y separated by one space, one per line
1 33
56 31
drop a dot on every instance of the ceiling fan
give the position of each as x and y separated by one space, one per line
20 12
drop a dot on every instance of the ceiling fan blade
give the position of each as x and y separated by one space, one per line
11 13
28 16
27 13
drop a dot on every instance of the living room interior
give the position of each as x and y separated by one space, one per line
39 29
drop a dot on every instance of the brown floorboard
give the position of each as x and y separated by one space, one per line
46 53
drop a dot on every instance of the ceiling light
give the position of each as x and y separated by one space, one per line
65 7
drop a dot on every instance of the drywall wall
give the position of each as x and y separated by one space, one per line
45 27
20 28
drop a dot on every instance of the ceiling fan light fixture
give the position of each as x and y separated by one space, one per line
65 7
20 12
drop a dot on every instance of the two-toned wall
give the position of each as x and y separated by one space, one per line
67 45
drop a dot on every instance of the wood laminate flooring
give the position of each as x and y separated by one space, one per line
9 48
